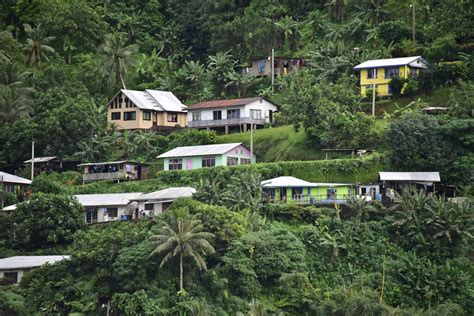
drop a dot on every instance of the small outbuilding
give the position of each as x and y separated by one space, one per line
12 269
397 180
196 157
114 170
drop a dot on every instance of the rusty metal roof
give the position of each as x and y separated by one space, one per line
223 103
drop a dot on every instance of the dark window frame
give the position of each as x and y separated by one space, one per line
133 115
175 164
208 161
113 116
217 115
233 114
174 117
147 115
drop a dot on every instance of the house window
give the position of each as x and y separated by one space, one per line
256 114
175 164
208 161
149 206
216 115
233 114
370 73
115 116
392 72
130 116
172 118
146 115
245 161
8 187
232 161
196 116
91 216
112 212
12 277
297 193
331 194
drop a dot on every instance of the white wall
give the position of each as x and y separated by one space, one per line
262 105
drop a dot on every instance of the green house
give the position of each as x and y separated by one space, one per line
294 190
196 157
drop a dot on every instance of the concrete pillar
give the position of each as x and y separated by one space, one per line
208 128
245 127
226 129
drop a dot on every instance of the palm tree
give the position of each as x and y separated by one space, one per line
183 237
240 81
220 65
360 206
289 27
14 105
37 46
117 57
5 38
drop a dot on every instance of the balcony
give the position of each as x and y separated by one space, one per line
306 199
216 123
86 177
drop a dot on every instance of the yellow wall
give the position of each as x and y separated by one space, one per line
161 118
380 82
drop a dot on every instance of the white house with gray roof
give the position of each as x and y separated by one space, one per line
196 157
146 110
154 203
11 183
14 268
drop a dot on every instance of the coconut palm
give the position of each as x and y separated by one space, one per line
5 38
14 105
183 237
117 57
289 27
36 46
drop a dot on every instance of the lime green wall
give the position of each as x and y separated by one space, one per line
319 193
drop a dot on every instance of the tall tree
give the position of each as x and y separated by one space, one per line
36 46
183 236
117 57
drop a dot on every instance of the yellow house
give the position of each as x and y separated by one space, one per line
381 71
146 110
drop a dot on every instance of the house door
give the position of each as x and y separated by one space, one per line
189 164
270 116
282 194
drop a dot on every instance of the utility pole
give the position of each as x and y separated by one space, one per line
273 68
374 74
251 137
412 6
32 160
1 192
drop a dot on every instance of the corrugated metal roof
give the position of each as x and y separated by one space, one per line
167 194
410 176
41 159
283 182
155 100
23 262
203 150
167 100
223 103
107 199
11 178
375 63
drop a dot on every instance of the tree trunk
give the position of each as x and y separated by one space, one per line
123 83
181 287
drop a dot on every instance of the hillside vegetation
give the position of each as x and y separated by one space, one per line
229 250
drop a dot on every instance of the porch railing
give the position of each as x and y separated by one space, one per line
104 176
224 122
307 199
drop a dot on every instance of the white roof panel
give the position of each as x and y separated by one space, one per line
155 100
167 194
283 182
167 100
11 178
203 150
410 176
23 262
107 199
41 159
375 63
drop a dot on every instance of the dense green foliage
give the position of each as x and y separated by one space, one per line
61 61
